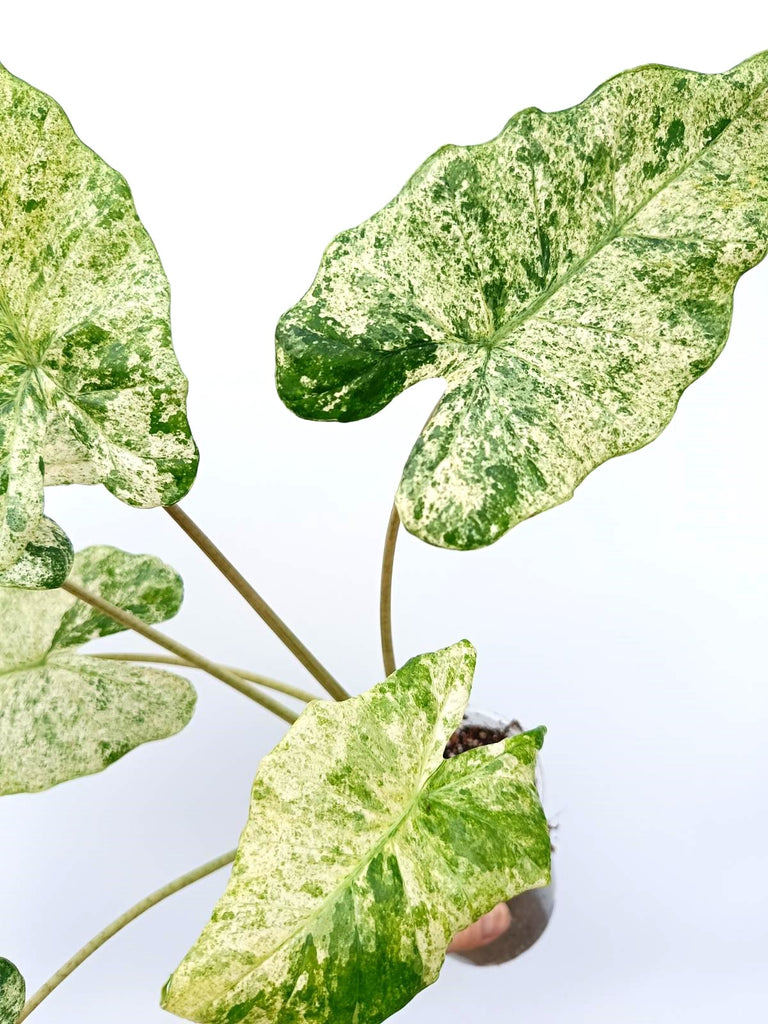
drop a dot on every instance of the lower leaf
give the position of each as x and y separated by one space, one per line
74 715
364 853
63 715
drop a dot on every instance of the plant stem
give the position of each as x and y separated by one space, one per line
259 605
117 925
387 570
252 677
385 598
198 660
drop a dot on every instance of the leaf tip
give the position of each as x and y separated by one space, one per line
462 658
465 648
537 735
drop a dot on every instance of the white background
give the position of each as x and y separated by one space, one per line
631 621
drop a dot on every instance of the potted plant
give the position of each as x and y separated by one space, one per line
567 280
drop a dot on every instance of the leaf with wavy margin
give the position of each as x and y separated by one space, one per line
64 714
364 853
90 389
568 280
12 992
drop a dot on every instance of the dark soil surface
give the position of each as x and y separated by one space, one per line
468 737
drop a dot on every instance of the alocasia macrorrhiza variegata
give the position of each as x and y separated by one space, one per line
568 280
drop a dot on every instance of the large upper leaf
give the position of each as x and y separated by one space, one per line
90 390
568 280
364 853
63 714
12 992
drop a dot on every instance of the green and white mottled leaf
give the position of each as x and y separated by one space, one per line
64 714
364 853
90 389
140 584
12 992
568 280
46 561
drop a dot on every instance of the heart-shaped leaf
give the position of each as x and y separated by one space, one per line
90 390
12 992
46 561
63 714
568 280
364 853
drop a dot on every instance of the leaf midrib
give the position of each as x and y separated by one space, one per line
503 340
31 667
347 880
617 228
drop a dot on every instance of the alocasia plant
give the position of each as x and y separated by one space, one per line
568 280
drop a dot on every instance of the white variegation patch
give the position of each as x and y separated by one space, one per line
568 280
63 714
364 853
90 389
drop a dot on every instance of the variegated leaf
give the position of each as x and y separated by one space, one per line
46 561
63 714
12 992
568 280
90 390
139 584
364 853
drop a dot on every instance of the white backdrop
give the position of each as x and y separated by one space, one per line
631 621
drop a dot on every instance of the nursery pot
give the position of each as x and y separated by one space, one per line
530 910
